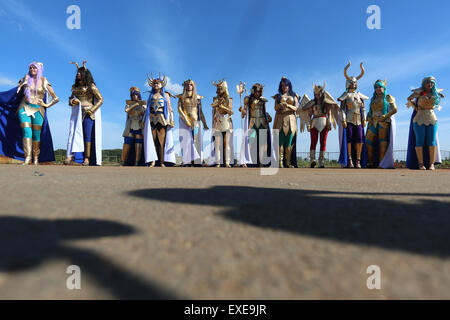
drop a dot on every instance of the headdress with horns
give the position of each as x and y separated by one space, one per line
351 80
151 81
78 66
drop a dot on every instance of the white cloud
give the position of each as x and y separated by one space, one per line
7 82
174 88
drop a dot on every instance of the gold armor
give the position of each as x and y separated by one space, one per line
379 124
86 96
316 115
256 109
36 96
223 108
157 111
425 109
352 103
189 112
285 117
222 123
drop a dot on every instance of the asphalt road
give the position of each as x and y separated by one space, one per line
206 233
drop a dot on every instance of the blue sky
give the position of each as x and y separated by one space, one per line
206 40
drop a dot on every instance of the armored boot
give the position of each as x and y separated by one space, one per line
432 151
358 155
138 152
125 152
419 153
322 159
288 157
36 152
27 147
312 156
281 157
349 155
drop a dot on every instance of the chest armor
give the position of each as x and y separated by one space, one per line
353 103
289 100
36 94
377 105
256 109
136 114
426 102
318 111
257 114
84 94
190 110
157 111
425 113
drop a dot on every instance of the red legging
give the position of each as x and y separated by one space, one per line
323 139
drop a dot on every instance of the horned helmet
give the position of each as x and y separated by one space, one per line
152 81
352 80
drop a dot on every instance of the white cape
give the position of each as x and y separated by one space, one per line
149 144
388 160
75 142
189 151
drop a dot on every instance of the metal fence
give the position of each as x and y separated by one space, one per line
399 155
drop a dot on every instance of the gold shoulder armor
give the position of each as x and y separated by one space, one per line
390 98
199 97
263 99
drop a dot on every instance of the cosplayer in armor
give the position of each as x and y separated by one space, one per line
159 117
222 126
28 103
423 144
353 121
133 136
381 128
318 115
191 113
256 118
286 104
86 123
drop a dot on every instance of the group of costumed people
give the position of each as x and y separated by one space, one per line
148 138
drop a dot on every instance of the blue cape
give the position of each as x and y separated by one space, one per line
11 134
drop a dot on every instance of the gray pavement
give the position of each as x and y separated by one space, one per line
206 233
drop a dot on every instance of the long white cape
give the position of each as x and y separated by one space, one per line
75 142
149 144
188 147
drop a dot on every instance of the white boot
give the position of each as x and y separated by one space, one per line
312 156
322 159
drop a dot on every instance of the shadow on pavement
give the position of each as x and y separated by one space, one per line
422 226
25 243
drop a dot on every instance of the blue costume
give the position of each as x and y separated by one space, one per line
423 145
